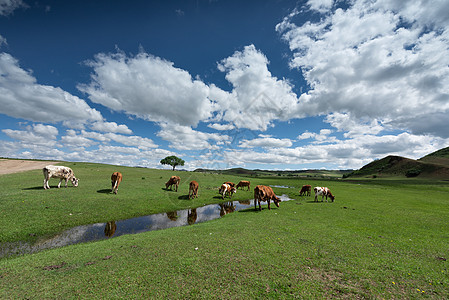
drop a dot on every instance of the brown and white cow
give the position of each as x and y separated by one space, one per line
116 178
243 183
323 192
61 172
174 180
193 189
227 189
232 184
305 190
264 193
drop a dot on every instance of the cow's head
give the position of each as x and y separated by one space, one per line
75 181
233 190
276 200
332 197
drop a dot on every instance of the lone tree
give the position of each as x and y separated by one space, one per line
173 161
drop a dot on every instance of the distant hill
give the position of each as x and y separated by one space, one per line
434 165
279 173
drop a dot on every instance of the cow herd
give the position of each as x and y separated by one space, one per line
262 193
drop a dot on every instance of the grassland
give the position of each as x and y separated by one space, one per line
380 239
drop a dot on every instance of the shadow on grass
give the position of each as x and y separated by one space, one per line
104 191
35 188
184 197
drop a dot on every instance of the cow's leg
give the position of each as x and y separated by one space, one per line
46 184
59 184
269 208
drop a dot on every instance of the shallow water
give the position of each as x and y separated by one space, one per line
101 231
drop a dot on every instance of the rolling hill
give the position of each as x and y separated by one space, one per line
431 166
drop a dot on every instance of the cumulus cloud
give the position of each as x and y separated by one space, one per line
37 134
265 142
7 7
376 63
22 97
148 87
111 127
257 98
185 138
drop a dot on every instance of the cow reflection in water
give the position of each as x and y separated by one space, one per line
110 228
172 215
246 202
226 208
191 217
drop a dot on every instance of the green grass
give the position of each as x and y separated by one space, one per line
378 240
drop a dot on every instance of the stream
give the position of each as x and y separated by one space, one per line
101 231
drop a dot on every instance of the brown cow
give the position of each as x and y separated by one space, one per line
232 184
174 180
227 189
305 190
243 183
116 178
264 193
193 189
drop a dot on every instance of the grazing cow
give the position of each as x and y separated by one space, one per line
174 180
116 178
193 189
305 190
60 172
323 192
243 183
264 193
227 189
232 184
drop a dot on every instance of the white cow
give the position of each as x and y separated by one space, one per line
59 172
323 192
227 189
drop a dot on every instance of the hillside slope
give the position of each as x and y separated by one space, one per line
403 167
440 157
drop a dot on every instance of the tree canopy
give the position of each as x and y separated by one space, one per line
173 161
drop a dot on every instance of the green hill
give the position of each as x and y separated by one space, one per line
440 157
432 166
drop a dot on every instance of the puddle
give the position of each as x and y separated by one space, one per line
102 231
282 186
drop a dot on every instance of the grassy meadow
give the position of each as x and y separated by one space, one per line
379 239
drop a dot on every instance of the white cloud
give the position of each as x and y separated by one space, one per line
22 97
7 7
320 5
185 138
37 134
148 87
221 127
377 63
257 98
111 127
265 142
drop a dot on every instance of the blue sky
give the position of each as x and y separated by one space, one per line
221 84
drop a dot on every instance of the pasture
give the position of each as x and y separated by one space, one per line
379 239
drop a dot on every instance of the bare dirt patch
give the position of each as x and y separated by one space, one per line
8 166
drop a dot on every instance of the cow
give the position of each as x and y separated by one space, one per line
243 183
264 193
232 184
305 190
116 178
61 172
227 189
323 192
193 189
174 180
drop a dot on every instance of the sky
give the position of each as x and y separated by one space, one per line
278 85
